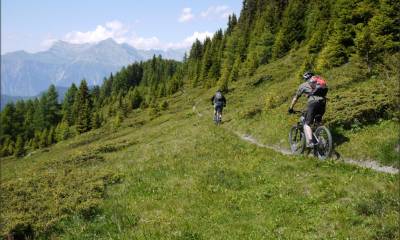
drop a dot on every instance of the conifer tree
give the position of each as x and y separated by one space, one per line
68 105
62 131
29 126
19 147
8 119
43 138
36 140
20 110
52 108
96 121
5 146
83 108
10 148
136 98
51 137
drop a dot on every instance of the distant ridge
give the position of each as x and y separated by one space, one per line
28 74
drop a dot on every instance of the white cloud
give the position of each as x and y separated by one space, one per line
221 11
113 29
145 43
188 41
48 42
186 15
122 33
198 35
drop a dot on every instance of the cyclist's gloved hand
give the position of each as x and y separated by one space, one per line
290 111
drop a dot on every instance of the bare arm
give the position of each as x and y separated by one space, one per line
293 102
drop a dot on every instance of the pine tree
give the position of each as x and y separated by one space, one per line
51 137
20 110
5 146
83 108
28 119
39 118
53 114
206 62
43 138
8 120
19 147
68 105
36 140
292 29
11 148
137 98
96 121
235 71
62 131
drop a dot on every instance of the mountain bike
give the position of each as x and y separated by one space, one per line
322 138
218 115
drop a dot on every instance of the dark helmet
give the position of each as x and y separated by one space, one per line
307 75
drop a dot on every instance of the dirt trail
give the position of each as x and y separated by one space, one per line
374 165
251 139
361 163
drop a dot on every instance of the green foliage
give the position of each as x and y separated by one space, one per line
136 99
83 106
164 105
19 147
332 55
51 137
43 138
36 202
117 120
96 120
62 131
291 30
8 119
278 39
332 32
67 105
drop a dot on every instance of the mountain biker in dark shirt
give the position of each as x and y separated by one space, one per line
315 105
219 102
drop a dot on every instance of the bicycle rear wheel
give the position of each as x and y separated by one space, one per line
297 140
324 148
217 118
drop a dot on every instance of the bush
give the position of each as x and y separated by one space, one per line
50 192
164 105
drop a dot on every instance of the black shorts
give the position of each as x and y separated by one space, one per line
218 107
314 108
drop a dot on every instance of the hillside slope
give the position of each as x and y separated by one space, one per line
172 174
139 157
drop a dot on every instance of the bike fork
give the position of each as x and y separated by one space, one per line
315 139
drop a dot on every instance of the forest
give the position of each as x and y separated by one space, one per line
334 33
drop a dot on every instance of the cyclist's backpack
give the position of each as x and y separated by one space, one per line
319 86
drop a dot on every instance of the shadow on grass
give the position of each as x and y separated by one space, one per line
338 139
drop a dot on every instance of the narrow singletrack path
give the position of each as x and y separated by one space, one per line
371 164
374 165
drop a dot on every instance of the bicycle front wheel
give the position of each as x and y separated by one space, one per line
297 140
324 146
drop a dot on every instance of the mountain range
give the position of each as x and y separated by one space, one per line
28 74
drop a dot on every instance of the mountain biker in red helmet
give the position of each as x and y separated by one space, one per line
315 89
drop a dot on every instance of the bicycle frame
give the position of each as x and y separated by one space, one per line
217 117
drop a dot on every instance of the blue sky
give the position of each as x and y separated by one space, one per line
34 25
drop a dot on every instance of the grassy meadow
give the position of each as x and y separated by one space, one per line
173 174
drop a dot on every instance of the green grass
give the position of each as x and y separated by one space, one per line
359 110
174 175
